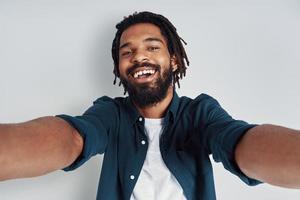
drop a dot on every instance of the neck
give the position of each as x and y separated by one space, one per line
158 110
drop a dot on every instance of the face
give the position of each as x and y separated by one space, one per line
145 64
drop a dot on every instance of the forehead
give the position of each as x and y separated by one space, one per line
140 32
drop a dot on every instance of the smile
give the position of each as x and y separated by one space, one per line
143 73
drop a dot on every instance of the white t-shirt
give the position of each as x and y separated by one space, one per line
155 180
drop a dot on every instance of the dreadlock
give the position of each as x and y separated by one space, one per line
167 29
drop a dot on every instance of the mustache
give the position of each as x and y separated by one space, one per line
143 64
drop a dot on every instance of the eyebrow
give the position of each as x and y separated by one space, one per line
151 39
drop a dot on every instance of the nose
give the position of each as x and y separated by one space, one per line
139 57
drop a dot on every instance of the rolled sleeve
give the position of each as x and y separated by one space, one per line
93 126
222 134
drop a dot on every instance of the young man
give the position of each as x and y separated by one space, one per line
156 145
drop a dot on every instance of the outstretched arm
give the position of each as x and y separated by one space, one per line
271 154
37 147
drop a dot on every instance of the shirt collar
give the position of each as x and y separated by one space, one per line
135 116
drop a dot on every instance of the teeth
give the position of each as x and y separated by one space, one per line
142 72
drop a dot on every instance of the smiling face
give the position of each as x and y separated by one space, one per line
145 64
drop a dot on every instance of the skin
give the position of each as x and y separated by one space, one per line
271 154
144 42
37 147
267 152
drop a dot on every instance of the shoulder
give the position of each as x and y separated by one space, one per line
203 97
109 101
201 100
202 107
107 105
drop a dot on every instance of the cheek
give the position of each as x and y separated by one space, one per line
164 59
164 62
122 73
122 68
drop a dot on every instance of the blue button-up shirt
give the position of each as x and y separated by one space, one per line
195 128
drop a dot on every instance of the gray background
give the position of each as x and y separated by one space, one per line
55 58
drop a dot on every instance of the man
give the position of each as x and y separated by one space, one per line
156 145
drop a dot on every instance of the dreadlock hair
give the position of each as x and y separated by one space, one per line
167 29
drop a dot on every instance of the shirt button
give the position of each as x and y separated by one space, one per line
143 142
131 177
140 119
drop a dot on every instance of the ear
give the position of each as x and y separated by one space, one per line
174 62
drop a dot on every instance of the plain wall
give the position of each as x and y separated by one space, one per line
55 58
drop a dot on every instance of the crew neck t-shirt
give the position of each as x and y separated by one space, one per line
155 180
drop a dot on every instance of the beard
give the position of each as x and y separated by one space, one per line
149 94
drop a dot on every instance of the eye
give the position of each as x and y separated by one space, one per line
153 48
126 53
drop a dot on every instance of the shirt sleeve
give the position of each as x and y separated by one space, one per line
93 125
221 135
